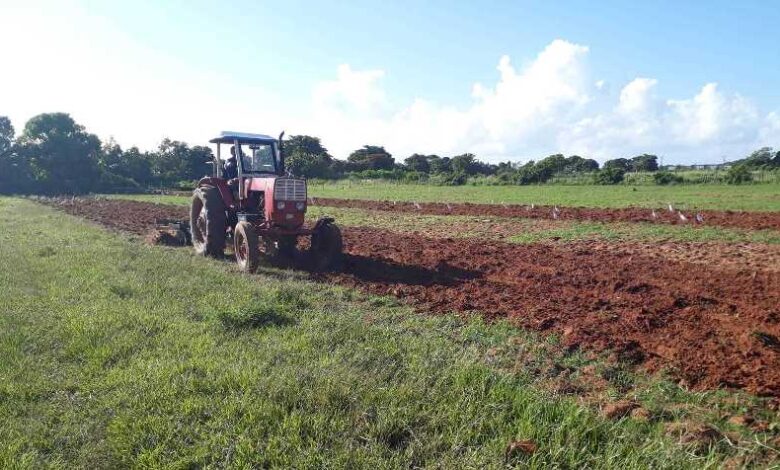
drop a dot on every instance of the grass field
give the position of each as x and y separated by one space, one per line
759 197
120 354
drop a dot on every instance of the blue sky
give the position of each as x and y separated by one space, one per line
693 81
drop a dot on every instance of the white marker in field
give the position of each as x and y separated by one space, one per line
699 218
655 216
682 216
417 206
671 209
449 207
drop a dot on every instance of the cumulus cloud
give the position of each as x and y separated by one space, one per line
551 105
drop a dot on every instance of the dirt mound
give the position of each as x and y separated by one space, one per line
748 220
707 322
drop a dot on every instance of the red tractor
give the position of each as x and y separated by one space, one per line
251 200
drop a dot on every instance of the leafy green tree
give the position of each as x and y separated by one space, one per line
15 176
439 165
136 165
418 163
761 159
6 135
465 164
372 157
63 157
305 156
577 164
175 161
644 162
609 175
618 163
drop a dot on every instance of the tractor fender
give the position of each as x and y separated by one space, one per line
224 190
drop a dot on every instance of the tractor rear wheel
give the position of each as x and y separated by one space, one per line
247 247
326 247
207 222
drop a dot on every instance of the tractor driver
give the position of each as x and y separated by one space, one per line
230 168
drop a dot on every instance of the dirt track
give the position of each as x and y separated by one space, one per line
747 220
713 325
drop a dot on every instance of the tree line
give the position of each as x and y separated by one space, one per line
55 155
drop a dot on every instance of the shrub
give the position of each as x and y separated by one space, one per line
667 177
609 175
738 174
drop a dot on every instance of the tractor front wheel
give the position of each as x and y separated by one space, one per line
247 247
207 222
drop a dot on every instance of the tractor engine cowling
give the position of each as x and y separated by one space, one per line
288 204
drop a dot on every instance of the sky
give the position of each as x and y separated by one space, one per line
693 82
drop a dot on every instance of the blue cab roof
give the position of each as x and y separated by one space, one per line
227 137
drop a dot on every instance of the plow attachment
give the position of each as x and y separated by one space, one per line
172 232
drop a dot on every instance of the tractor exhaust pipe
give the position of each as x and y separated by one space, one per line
281 154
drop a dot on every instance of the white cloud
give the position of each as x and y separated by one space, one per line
635 97
551 105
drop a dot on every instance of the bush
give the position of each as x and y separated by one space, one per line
667 177
111 182
186 185
609 175
456 179
738 174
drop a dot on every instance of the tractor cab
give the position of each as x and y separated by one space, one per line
255 155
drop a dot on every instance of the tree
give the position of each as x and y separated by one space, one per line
577 164
465 164
6 135
609 175
644 162
175 161
618 163
305 156
438 164
762 158
372 157
15 176
418 163
62 156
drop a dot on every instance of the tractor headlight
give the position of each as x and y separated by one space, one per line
280 205
300 206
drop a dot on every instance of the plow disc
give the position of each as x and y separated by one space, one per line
172 232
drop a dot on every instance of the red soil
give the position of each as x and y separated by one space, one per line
747 220
712 325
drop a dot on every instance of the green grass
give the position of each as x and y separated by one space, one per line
759 197
118 354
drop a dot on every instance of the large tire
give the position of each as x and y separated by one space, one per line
207 222
246 245
326 247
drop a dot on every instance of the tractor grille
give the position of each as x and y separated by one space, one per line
289 189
